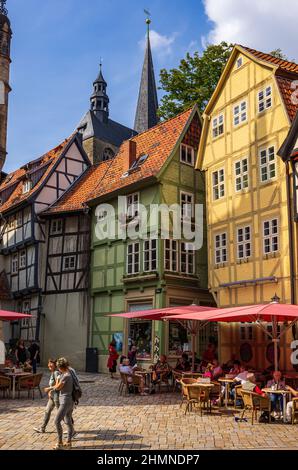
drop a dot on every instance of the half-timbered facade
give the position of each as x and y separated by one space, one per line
153 168
25 194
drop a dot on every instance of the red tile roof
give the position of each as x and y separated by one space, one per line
286 73
14 181
107 177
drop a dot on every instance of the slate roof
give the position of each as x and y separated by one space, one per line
106 177
110 131
11 188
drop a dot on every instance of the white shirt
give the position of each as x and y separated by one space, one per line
242 377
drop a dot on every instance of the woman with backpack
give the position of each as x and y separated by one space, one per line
65 386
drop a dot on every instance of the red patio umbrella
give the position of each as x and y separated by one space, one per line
273 312
193 327
12 316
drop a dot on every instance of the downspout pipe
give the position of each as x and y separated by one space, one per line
290 231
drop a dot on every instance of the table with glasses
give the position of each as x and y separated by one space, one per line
284 394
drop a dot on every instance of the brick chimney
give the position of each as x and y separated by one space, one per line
129 150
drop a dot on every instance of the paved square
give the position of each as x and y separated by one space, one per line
104 421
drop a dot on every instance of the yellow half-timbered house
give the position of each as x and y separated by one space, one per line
245 123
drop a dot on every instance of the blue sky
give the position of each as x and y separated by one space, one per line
57 45
56 50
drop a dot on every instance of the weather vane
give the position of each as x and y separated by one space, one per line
148 19
3 10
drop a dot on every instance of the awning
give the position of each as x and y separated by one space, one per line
12 316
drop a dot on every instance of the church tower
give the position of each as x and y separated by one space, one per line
5 40
99 99
146 115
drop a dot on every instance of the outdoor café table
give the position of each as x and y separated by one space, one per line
227 383
147 374
284 394
15 375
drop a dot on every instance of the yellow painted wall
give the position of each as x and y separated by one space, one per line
261 201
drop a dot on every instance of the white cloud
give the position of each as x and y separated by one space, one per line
261 24
162 45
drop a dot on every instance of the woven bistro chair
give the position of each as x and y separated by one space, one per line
197 395
5 386
184 383
238 395
29 383
253 402
294 409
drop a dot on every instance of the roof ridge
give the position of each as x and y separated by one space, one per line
164 122
284 61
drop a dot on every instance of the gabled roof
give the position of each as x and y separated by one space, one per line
111 131
158 143
11 189
283 65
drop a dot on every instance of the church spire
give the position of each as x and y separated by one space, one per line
99 99
146 114
5 40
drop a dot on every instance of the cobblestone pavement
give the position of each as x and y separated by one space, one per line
104 421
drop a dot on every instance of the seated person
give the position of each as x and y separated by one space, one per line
132 356
276 398
161 370
217 371
235 370
133 378
208 371
27 367
250 385
183 363
242 376
290 404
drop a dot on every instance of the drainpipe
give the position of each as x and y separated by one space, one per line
291 241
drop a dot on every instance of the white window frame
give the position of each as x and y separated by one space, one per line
187 202
22 259
264 99
271 236
218 188
244 242
132 205
15 264
268 165
190 258
221 247
19 219
239 62
187 148
242 178
136 250
69 262
56 227
171 255
27 186
148 251
240 113
218 125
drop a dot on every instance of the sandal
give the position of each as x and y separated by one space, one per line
67 445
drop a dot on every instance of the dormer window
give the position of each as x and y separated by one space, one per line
187 154
239 62
27 186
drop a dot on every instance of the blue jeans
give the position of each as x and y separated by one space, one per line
276 402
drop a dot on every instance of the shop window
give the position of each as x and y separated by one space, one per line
140 335
179 341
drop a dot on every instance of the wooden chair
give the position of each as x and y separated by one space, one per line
29 383
125 384
184 383
5 386
294 409
253 402
177 376
238 395
197 395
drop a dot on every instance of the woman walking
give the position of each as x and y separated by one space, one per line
65 387
113 356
